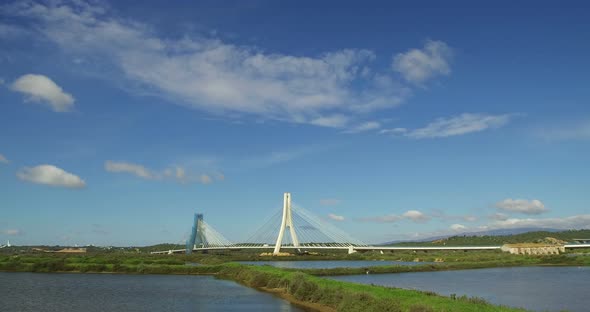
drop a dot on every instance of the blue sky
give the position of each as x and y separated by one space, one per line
390 120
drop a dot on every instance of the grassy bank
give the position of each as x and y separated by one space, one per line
345 296
183 264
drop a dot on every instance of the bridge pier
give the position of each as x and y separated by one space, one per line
351 250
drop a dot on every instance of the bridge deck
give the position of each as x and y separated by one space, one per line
358 248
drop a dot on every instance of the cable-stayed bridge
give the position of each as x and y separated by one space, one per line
295 228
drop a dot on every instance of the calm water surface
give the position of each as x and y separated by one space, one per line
321 264
534 288
118 292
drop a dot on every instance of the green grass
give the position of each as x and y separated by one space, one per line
175 264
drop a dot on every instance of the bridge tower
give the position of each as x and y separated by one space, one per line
286 222
197 237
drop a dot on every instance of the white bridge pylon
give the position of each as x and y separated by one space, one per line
287 221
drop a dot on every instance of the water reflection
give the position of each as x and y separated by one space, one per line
118 292
534 288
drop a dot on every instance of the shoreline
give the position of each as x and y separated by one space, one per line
283 294
52 265
326 295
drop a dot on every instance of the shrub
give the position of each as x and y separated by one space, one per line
258 279
273 282
387 305
295 281
476 300
356 302
118 268
306 290
329 296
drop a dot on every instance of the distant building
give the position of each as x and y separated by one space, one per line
533 249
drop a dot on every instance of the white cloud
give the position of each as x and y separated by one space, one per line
499 217
329 201
382 219
39 88
394 131
442 215
50 175
125 167
415 216
12 232
366 126
417 66
180 174
278 157
177 173
210 74
452 126
534 206
333 121
335 217
3 159
10 31
469 218
205 179
572 222
458 227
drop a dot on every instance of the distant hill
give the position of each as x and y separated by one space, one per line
497 232
497 237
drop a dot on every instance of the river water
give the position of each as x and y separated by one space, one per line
323 264
533 288
120 292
